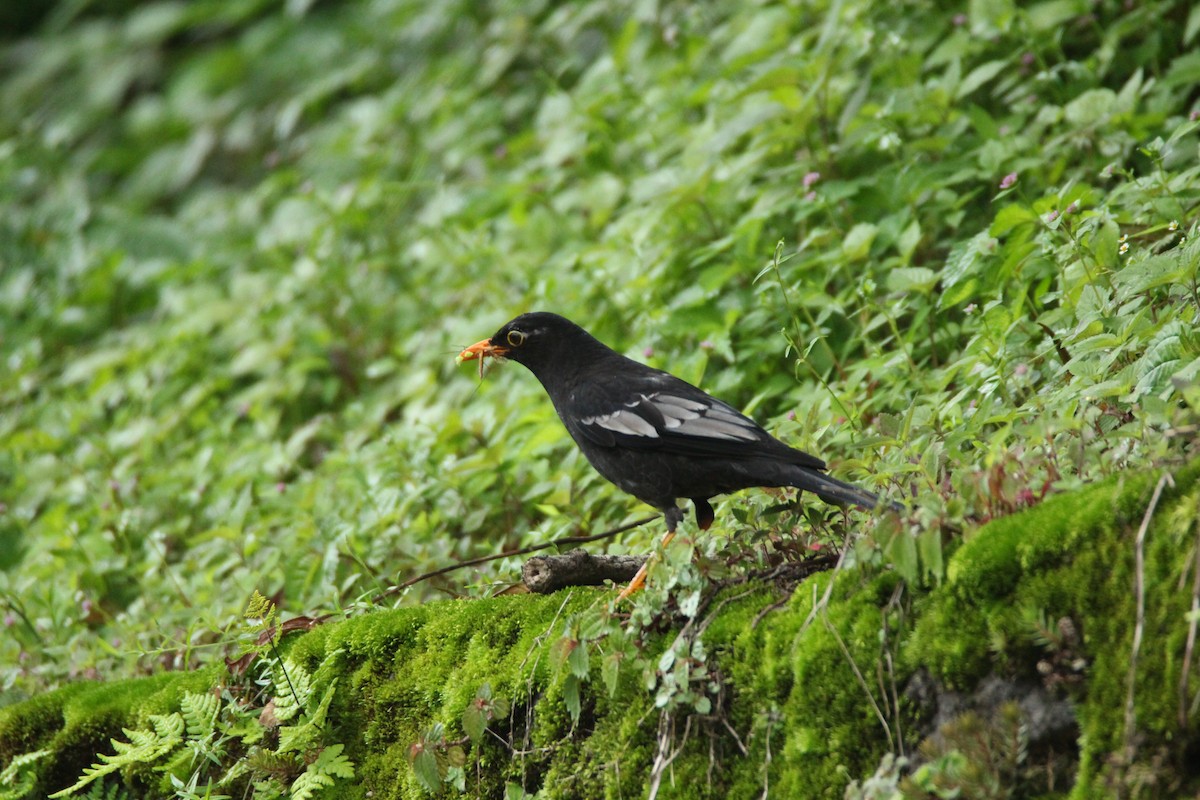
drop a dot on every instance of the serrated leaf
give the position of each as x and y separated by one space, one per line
474 722
571 697
425 767
610 671
1149 273
964 259
455 756
929 549
902 554
690 604
578 660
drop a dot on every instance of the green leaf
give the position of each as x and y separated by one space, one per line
425 767
1091 108
456 756
902 554
578 660
957 294
912 279
571 697
857 244
1010 217
965 259
1149 273
910 237
514 791
979 76
930 552
474 721
610 671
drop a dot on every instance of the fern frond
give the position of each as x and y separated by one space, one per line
200 713
330 764
16 780
143 747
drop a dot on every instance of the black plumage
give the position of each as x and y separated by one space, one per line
655 436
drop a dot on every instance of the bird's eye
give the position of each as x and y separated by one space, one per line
516 338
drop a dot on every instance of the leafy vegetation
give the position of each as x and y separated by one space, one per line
952 250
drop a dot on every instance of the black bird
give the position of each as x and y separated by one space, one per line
655 436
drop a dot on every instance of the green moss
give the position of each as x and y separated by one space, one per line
78 721
1073 557
801 709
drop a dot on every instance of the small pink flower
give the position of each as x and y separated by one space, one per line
791 415
1053 215
960 20
706 345
810 196
1008 181
281 487
1071 209
648 352
1195 115
1020 370
1027 59
811 178
9 620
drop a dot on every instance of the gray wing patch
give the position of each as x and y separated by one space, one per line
708 421
626 422
652 416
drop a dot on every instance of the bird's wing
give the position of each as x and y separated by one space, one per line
661 412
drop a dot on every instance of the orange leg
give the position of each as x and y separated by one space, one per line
673 515
639 580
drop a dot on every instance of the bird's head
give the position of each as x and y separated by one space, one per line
536 340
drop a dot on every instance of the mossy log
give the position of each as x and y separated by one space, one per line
814 689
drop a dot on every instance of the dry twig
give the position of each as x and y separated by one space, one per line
471 562
1139 589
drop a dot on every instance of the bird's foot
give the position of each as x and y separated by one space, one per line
639 580
635 585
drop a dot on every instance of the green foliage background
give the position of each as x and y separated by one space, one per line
242 241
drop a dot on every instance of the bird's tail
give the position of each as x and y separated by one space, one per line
831 490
